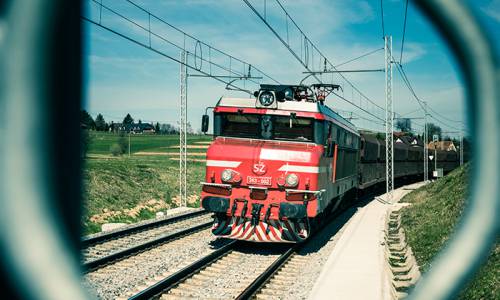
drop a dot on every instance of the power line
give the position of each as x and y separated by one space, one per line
411 112
404 31
359 57
382 17
309 55
446 118
406 81
217 61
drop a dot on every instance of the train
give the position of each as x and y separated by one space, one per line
282 161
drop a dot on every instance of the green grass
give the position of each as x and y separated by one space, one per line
430 221
100 142
117 184
130 189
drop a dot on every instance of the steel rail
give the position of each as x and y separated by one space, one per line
174 279
98 263
87 242
263 278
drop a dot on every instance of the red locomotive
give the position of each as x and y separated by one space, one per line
281 161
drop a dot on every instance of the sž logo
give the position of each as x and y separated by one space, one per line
259 168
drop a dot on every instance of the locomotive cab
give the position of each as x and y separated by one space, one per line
273 167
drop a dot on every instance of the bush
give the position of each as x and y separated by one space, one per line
116 150
86 140
123 143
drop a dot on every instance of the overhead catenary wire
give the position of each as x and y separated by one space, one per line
382 17
404 32
177 47
407 83
307 50
444 117
411 112
359 57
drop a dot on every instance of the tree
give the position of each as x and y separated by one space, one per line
433 129
157 128
168 129
100 123
86 119
128 120
404 124
189 128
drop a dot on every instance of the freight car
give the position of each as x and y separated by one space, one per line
283 160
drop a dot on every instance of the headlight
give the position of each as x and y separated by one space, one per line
226 175
292 180
266 98
288 94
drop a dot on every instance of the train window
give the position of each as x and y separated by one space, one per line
237 125
328 132
300 129
265 127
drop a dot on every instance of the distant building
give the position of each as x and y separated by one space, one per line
400 137
134 128
443 145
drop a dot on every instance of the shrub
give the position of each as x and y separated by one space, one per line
85 141
123 143
116 150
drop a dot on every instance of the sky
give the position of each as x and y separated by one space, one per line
122 77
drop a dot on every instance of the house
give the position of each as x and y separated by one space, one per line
136 128
400 137
443 145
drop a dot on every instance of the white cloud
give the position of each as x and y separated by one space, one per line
144 83
413 52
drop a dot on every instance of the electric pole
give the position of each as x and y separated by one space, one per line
182 130
389 121
426 149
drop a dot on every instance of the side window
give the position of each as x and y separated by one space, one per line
331 140
328 132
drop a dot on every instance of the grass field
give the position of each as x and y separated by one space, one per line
430 221
101 142
130 189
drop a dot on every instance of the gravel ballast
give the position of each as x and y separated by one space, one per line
126 275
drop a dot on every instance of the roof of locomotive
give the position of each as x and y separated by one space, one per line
304 106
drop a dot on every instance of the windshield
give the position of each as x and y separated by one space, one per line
267 127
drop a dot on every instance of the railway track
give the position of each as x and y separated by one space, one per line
114 246
234 272
214 274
